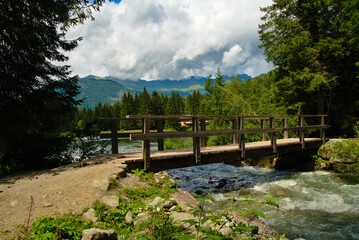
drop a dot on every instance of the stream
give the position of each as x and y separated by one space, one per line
313 205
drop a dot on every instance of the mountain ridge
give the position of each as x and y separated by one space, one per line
94 89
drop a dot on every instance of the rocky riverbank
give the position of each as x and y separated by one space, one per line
129 205
180 209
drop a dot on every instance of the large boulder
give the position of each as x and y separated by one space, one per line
330 152
98 234
326 151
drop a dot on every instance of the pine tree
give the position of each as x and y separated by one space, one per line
146 105
36 96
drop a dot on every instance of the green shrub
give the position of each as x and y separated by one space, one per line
66 226
347 149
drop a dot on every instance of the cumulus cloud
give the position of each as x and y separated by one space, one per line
161 39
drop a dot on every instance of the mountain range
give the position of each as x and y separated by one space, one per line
94 89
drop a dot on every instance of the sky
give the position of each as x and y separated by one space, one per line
170 39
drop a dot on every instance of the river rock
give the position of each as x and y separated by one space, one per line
326 151
128 217
110 200
123 165
169 204
221 183
90 215
225 230
102 184
141 217
156 201
181 216
160 176
119 173
98 234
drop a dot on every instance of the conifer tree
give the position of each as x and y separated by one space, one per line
37 96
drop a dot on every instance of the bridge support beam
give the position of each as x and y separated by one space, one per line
285 125
273 135
114 139
322 130
160 125
196 141
241 139
263 126
203 128
301 132
235 127
146 153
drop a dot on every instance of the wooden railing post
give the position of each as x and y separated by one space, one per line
196 141
322 130
241 141
273 135
234 127
160 124
285 125
146 144
114 139
263 126
301 131
203 128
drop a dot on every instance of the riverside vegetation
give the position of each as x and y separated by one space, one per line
142 212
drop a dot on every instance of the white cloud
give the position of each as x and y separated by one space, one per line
159 39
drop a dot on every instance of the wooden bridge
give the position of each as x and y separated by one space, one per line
278 134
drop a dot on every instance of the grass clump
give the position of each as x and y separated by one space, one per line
347 149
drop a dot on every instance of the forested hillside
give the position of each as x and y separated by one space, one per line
222 97
110 90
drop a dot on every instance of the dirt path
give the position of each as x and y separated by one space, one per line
58 190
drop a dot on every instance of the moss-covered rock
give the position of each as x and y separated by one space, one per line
326 151
339 155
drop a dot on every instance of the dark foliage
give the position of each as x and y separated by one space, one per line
36 96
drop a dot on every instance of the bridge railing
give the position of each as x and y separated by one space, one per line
269 127
199 133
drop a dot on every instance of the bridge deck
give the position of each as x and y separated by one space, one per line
168 159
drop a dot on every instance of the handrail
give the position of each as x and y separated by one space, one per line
155 136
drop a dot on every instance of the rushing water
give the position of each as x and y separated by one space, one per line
313 205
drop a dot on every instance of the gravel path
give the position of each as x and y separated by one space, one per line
59 190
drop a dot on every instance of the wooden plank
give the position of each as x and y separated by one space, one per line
263 126
235 127
160 125
203 128
188 117
152 136
119 135
273 135
110 118
146 151
322 130
301 132
114 138
196 141
285 125
241 137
